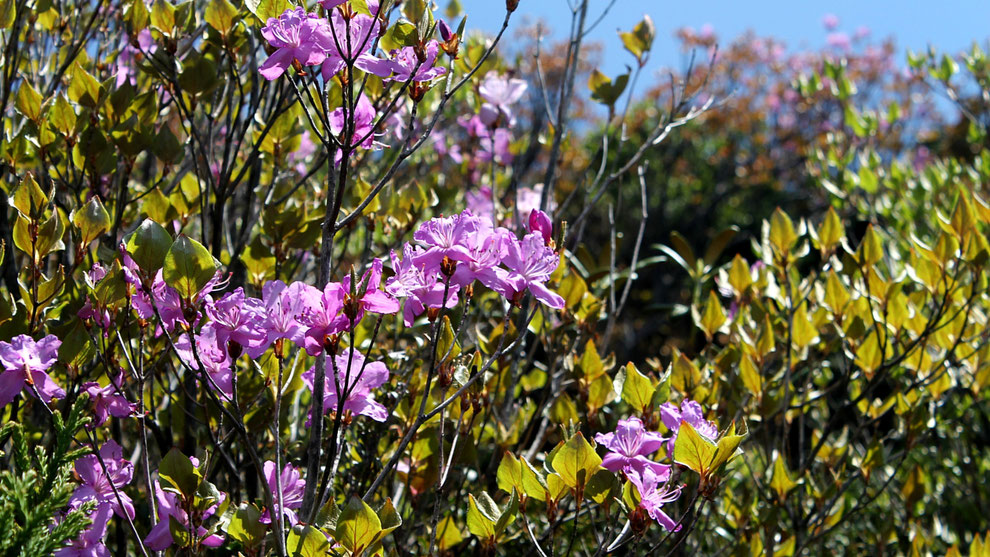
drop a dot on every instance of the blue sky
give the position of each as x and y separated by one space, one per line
949 25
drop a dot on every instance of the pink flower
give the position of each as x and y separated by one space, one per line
98 485
500 93
447 237
320 317
365 295
107 401
405 60
235 318
25 364
630 446
351 38
125 66
830 21
90 542
169 507
540 222
355 378
298 36
530 264
653 496
282 305
690 412
421 289
364 126
292 492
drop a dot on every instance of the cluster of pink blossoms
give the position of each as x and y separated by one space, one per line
448 255
631 445
347 38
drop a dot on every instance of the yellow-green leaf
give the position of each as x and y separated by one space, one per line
576 461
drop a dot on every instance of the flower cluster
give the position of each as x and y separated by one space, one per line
631 445
345 39
451 253
102 479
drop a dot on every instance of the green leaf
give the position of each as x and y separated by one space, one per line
62 115
357 526
831 232
781 481
178 475
640 39
163 16
137 15
713 317
870 250
782 234
481 516
728 446
307 541
245 526
803 330
693 450
448 534
92 220
602 486
591 364
508 515
148 245
389 517
83 87
220 14
28 101
576 461
510 474
604 90
636 389
265 9
447 341
28 198
8 11
188 267
739 276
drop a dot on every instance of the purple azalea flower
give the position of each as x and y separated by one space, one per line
653 496
359 378
292 492
99 486
371 298
321 316
282 304
107 401
405 60
235 318
530 264
25 364
125 63
630 447
690 412
90 542
169 506
298 36
364 126
487 248
420 289
540 222
500 93
213 356
446 237
495 147
480 203
350 40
